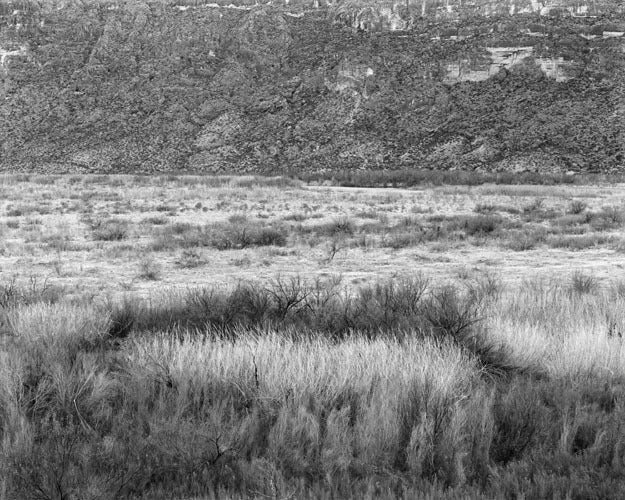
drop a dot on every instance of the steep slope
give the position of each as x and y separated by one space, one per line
148 86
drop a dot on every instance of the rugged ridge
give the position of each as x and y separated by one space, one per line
312 85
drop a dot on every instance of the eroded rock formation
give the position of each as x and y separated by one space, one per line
311 84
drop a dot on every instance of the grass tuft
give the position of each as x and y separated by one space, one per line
583 283
149 269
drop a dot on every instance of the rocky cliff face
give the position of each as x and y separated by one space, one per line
311 84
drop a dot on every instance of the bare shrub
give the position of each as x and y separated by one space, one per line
402 240
608 218
289 295
33 290
577 207
534 206
339 227
614 215
481 224
391 304
243 235
149 269
333 247
452 314
470 225
190 258
522 241
108 229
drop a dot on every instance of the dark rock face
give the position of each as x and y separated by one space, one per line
145 87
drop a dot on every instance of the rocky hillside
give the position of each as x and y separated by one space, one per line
146 86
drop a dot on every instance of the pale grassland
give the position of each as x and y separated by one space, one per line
183 337
296 368
579 335
124 234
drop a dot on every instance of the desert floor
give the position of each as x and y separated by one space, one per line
125 234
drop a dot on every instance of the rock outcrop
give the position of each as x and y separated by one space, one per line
142 86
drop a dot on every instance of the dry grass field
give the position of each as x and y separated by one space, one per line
213 337
124 234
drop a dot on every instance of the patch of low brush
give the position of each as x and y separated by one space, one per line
577 207
524 240
470 225
190 258
579 242
244 235
339 227
489 208
415 177
149 269
33 290
110 229
236 234
397 308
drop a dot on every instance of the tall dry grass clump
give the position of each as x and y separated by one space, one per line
326 407
567 328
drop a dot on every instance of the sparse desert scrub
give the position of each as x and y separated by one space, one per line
236 234
574 242
242 234
461 225
416 177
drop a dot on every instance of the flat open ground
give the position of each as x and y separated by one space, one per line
125 234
